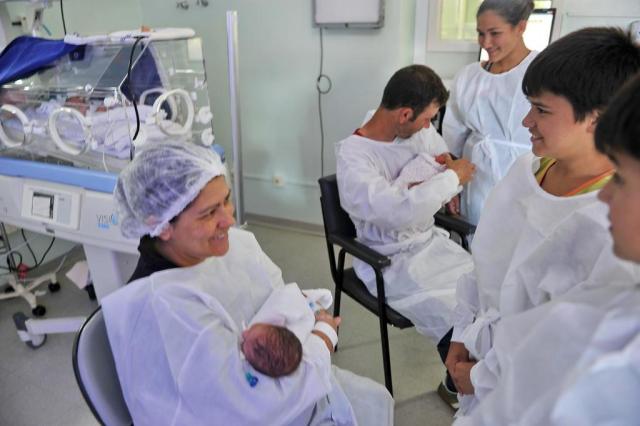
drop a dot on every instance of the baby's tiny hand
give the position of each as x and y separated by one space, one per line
442 158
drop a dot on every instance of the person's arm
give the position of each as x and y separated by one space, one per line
271 269
432 141
467 304
454 130
326 328
212 375
367 195
464 313
453 206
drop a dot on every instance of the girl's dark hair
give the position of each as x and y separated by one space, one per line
512 11
586 67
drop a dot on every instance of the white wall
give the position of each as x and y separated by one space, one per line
279 61
575 14
88 17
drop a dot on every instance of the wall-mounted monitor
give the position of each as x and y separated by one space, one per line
537 36
348 13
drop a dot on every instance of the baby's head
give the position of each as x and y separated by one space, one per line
272 350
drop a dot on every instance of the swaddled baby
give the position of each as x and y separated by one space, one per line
421 168
272 344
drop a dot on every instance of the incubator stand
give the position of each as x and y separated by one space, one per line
66 132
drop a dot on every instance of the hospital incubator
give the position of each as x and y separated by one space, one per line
70 126
85 109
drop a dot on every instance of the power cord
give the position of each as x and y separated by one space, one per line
64 24
132 94
44 256
24 238
11 262
322 77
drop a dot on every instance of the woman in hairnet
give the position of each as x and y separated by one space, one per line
576 361
483 122
177 361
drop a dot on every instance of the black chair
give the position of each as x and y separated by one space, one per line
340 231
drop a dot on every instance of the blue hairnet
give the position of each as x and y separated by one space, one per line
160 183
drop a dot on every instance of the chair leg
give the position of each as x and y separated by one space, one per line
384 337
465 243
336 309
336 301
386 359
338 278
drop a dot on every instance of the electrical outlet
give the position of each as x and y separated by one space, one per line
277 180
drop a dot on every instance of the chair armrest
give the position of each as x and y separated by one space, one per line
362 252
454 223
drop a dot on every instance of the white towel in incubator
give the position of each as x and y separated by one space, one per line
111 130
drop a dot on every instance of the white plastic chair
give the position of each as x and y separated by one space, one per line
96 374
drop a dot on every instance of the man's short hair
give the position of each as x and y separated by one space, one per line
618 129
415 87
586 67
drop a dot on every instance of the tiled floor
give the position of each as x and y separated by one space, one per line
37 387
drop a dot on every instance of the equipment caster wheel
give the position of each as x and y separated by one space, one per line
54 287
32 341
39 311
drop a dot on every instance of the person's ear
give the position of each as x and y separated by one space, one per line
405 115
166 233
592 121
521 26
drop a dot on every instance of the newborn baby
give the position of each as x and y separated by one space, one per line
272 344
421 168
271 349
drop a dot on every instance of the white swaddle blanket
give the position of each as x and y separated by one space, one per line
421 168
289 307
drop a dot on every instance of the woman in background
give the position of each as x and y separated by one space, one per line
483 122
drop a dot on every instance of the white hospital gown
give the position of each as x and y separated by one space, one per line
483 124
574 361
529 248
178 362
398 222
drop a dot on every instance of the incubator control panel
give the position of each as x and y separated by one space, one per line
49 204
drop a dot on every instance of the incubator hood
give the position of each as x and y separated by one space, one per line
83 109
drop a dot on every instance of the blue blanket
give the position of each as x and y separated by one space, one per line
27 55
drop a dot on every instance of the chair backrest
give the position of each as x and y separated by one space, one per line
336 220
96 374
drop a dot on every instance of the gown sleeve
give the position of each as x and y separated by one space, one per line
367 195
605 392
432 141
454 130
467 304
272 270
210 372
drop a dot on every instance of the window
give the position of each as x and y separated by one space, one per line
458 20
452 24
